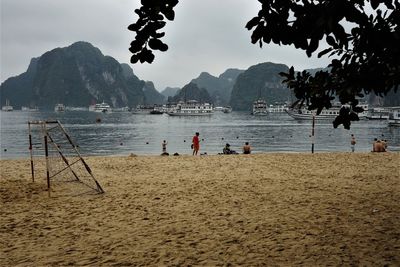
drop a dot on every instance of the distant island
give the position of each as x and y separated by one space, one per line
80 75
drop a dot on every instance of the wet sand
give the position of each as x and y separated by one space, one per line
328 209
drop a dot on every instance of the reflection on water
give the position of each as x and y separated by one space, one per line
125 133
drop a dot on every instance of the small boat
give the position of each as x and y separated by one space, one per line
29 108
260 107
227 109
7 107
394 117
157 110
143 109
191 108
103 107
326 114
59 108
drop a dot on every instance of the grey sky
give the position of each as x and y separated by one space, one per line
206 35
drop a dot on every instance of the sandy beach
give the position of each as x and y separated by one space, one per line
324 209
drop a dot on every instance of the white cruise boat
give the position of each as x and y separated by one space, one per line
277 108
143 109
7 107
103 107
394 117
378 113
29 108
260 107
191 108
59 108
326 114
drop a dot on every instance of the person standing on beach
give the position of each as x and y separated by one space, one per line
353 143
196 143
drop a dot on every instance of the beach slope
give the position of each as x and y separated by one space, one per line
251 210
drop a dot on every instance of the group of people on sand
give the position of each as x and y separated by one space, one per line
379 145
195 146
228 151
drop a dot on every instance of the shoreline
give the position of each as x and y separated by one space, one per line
259 209
27 157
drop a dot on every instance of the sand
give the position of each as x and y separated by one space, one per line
328 209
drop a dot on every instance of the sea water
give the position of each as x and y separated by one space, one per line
122 133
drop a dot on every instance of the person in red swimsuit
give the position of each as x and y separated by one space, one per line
196 143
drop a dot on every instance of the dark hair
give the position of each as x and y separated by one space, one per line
228 144
246 143
197 133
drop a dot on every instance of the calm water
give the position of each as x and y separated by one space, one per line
125 133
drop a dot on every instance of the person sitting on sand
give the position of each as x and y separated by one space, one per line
246 148
164 146
374 145
227 149
384 143
378 146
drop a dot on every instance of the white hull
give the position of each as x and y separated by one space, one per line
7 108
29 109
394 118
100 108
189 114
378 114
102 111
142 111
326 114
300 116
260 113
382 117
394 123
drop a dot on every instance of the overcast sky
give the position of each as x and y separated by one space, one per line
206 35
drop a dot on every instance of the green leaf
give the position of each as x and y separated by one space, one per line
168 13
331 41
252 23
134 59
325 51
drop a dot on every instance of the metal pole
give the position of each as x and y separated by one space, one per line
80 157
31 152
312 134
47 163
